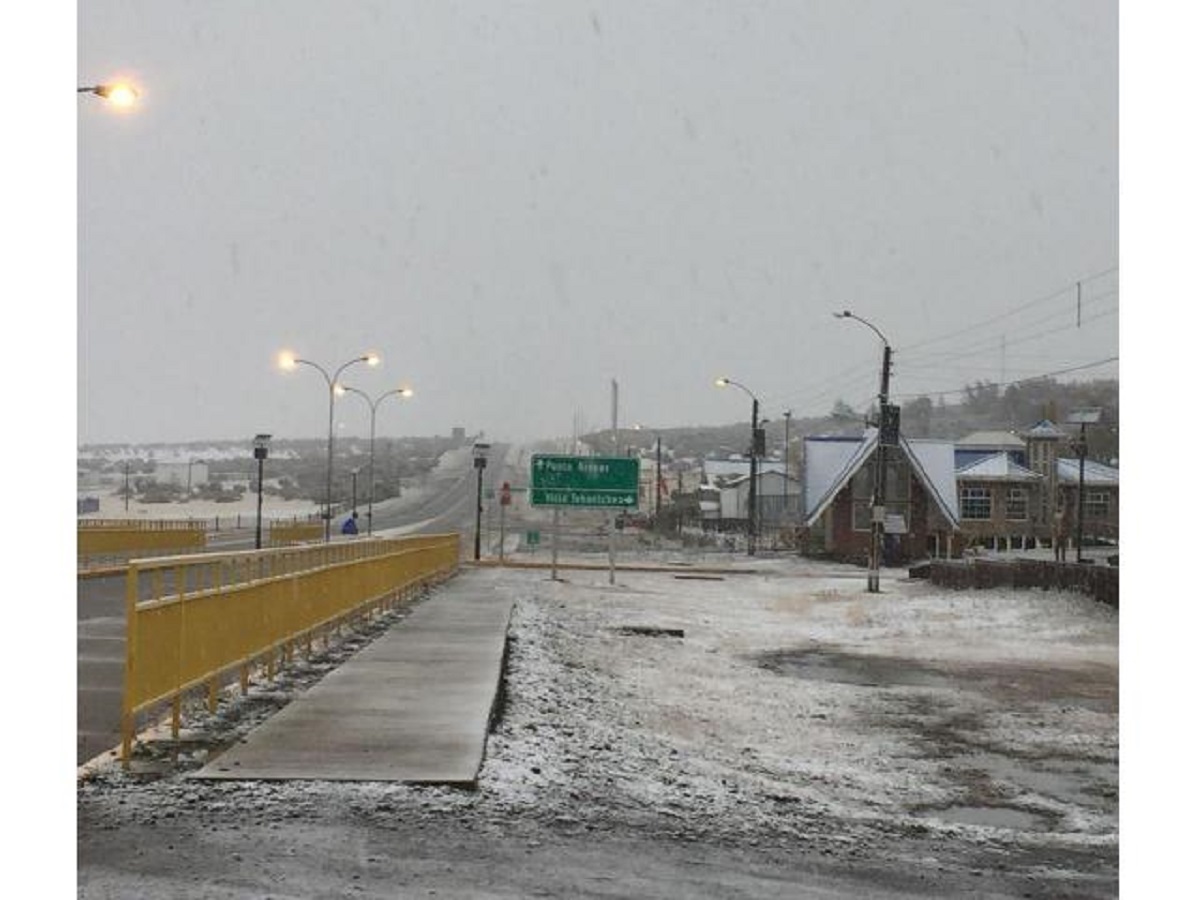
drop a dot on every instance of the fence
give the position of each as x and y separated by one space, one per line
1102 583
193 621
113 541
295 533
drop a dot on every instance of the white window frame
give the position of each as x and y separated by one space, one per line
967 496
1023 494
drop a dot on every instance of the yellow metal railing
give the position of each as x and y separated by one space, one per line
144 524
295 533
193 621
98 544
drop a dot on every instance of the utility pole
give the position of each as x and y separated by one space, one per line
657 476
757 446
752 513
887 435
879 500
787 458
1083 418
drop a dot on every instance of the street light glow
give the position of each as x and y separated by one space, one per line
722 382
287 360
371 359
120 94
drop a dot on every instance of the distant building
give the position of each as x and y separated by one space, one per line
184 474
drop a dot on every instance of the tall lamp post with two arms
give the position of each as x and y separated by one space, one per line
289 361
402 392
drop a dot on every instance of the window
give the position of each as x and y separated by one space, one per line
975 503
898 492
1017 503
1095 504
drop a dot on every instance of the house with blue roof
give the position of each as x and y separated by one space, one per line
921 509
994 489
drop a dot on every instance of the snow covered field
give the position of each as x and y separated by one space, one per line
918 742
112 506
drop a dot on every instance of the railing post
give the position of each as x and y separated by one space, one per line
131 661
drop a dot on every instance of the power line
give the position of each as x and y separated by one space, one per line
1011 312
1079 368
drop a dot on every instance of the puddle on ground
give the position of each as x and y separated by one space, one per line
845 668
991 816
1090 687
1076 782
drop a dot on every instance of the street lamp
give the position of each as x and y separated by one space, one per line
120 94
401 392
261 443
288 362
757 447
888 436
1083 418
480 452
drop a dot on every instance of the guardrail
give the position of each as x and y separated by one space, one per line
117 543
144 524
296 533
193 621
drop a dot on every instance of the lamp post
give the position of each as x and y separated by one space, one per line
1083 418
757 446
888 433
261 443
120 94
287 361
481 459
373 404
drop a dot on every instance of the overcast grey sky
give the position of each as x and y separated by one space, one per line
516 203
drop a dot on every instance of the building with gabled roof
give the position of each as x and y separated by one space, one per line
921 503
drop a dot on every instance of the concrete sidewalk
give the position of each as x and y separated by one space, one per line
412 706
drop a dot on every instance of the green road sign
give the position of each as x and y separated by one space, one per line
595 481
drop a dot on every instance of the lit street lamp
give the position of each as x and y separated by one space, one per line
757 447
118 93
288 361
888 431
401 392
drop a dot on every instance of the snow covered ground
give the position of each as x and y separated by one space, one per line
921 738
112 506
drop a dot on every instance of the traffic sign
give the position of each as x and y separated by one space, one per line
584 481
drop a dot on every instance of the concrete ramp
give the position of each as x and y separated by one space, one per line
413 706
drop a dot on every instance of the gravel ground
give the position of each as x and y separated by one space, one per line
801 738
